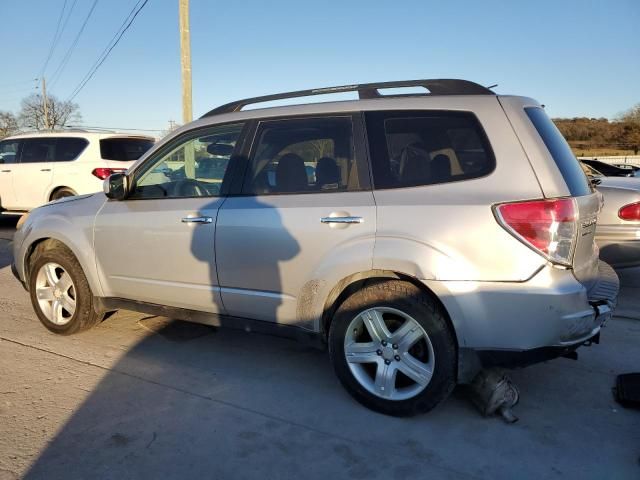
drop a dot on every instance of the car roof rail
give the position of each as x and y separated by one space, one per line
442 86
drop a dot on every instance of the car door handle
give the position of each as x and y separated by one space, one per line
5 171
45 169
342 220
197 220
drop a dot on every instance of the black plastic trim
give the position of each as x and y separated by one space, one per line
442 86
316 340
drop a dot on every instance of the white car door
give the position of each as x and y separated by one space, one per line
33 174
9 152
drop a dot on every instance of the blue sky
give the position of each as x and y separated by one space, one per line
580 58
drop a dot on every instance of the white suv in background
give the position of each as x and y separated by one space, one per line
39 167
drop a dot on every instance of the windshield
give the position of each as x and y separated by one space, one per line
124 149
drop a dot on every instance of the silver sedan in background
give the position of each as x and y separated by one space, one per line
618 228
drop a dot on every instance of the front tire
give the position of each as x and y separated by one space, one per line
392 349
59 291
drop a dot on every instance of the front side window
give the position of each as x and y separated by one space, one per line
306 155
35 150
194 166
411 148
9 151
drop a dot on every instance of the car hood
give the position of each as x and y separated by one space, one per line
630 183
75 198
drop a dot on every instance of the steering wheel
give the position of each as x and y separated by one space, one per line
189 187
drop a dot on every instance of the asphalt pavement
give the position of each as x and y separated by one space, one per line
147 397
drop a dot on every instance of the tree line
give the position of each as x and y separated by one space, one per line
32 115
590 135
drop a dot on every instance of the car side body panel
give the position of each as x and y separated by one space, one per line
72 225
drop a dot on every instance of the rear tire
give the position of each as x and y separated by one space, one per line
62 193
59 291
407 363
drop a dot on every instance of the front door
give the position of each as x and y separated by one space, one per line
305 203
9 155
157 246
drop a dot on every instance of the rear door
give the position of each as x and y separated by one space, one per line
32 176
304 200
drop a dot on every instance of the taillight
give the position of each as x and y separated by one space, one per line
548 226
630 212
103 173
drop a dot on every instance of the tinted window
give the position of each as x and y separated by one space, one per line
560 151
193 166
303 156
68 148
38 150
124 149
9 151
409 149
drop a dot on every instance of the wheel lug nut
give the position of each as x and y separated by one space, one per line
387 362
395 346
384 343
397 358
379 352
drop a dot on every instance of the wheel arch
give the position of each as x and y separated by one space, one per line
56 189
356 281
50 242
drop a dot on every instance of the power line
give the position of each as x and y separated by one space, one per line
55 40
65 60
132 16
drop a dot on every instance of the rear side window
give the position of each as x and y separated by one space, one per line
68 149
124 149
560 151
304 155
414 148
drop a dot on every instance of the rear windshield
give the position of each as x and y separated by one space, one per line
124 149
559 149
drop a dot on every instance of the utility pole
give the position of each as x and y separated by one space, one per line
45 104
185 60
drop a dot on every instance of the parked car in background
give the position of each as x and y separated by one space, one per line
410 251
618 228
608 169
39 167
628 166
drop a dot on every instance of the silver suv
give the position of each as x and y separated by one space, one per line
422 237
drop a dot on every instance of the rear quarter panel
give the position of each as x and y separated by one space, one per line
448 231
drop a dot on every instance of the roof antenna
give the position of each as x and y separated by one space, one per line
492 86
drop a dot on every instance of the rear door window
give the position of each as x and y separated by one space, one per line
414 148
124 149
35 150
559 149
303 155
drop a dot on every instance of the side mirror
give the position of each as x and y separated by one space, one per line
116 186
